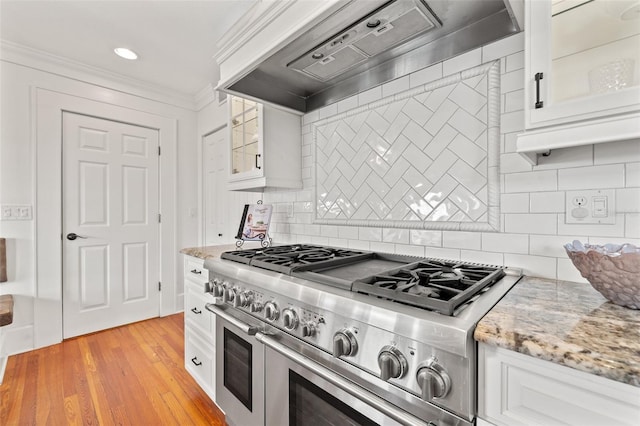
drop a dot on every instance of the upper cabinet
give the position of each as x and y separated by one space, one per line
582 73
264 145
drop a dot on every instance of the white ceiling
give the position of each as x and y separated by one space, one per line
175 40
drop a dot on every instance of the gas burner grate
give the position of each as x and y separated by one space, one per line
432 284
246 256
286 259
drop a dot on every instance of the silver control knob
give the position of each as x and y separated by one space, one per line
271 311
433 380
344 343
218 289
212 285
290 319
229 295
308 329
255 307
242 299
393 365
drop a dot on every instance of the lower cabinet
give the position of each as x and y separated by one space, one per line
516 389
199 327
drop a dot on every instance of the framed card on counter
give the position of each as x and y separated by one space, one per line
254 225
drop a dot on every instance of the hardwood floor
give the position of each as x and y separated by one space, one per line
130 375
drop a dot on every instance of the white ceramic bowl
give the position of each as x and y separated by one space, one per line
612 269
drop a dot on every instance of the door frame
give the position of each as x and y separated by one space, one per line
49 106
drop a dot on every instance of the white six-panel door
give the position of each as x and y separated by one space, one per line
110 200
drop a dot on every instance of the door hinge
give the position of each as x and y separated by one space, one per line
159 218
159 286
159 151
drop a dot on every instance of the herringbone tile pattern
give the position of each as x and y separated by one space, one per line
418 158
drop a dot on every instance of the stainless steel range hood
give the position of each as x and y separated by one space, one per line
369 42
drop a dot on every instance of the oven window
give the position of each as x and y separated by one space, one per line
238 367
311 406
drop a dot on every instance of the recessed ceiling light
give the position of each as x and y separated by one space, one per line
123 52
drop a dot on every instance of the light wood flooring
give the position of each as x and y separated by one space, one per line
130 375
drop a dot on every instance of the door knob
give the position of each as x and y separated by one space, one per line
72 236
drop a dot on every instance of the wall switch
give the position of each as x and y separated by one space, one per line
13 212
289 210
590 206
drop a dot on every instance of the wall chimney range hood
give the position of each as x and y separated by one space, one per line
365 43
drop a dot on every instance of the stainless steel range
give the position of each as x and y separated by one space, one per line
313 335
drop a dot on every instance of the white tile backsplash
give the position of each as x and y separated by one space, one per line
531 181
502 242
632 225
594 177
532 201
542 223
632 174
514 203
628 200
461 240
547 202
369 96
395 86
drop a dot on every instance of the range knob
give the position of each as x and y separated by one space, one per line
271 311
308 329
229 295
242 299
393 365
290 319
218 289
255 307
433 380
344 343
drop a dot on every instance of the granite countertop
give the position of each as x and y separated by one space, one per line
206 252
569 324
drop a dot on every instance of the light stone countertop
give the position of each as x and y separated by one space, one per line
206 252
569 324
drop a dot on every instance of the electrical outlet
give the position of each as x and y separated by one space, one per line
590 207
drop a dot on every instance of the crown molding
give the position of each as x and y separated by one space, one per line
64 67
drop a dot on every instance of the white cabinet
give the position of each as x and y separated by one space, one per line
516 389
199 326
582 73
265 147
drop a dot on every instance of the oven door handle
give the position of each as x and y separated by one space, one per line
361 394
250 330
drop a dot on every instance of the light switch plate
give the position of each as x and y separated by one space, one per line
15 212
590 206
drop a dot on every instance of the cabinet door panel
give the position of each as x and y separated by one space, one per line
588 55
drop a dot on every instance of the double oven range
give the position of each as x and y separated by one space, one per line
314 335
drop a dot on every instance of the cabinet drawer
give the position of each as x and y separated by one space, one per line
199 360
194 269
195 311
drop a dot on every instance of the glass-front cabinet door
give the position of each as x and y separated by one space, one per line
246 138
583 60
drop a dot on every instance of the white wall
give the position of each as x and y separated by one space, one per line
532 198
18 183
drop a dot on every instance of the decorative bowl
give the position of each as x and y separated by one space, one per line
612 269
